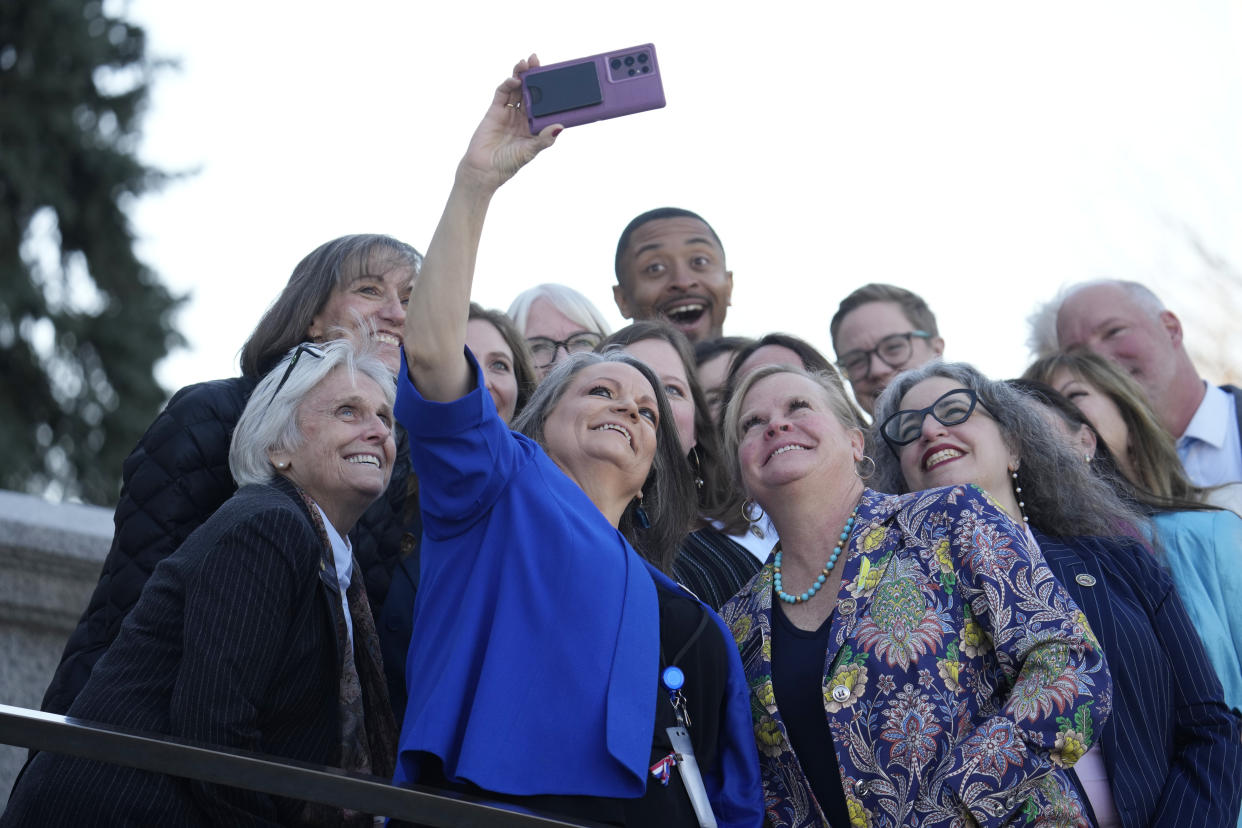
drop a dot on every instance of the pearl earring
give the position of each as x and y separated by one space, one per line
1017 490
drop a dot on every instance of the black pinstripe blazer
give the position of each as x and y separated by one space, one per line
232 643
1171 747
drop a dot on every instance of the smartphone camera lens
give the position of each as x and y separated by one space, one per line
616 63
632 72
646 69
629 61
642 57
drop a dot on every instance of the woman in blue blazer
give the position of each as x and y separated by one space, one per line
549 662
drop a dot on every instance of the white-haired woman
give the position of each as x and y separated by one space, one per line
556 318
549 662
256 633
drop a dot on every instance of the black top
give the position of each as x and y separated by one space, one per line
705 665
797 680
713 567
394 621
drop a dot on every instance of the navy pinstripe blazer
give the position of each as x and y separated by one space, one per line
232 643
1172 748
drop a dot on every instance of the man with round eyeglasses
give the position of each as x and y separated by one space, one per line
879 331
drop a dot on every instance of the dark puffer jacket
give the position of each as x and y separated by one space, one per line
174 480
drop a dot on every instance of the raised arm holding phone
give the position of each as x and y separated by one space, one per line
550 664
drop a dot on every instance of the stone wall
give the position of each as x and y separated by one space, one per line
50 557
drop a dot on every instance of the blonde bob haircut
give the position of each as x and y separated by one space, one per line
838 404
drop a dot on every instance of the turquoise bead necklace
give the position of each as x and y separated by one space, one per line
822 578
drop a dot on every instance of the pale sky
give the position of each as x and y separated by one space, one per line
980 154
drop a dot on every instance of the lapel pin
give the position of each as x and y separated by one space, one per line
1085 580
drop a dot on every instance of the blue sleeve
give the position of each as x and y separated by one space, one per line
733 785
1203 550
462 452
1227 549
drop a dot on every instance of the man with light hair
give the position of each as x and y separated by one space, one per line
1127 323
879 331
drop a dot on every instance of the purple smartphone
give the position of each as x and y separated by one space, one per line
593 88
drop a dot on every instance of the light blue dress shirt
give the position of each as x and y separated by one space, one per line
1210 448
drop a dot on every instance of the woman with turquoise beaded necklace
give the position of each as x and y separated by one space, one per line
912 660
820 579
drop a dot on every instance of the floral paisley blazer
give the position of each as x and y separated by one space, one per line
959 681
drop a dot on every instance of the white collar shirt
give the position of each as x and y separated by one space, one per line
758 543
343 557
1211 450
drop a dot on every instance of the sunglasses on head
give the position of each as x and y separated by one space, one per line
305 348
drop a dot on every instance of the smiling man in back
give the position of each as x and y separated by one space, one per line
671 267
1127 323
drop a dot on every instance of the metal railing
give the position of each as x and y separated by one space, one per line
329 786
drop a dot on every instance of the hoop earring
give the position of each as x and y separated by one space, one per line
870 470
697 467
753 513
1017 491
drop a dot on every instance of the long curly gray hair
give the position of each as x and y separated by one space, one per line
1061 496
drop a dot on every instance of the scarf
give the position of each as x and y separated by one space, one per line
368 730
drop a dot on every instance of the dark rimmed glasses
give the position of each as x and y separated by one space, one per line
305 348
893 350
544 349
950 409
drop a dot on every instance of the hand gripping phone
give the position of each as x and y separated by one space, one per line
593 88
